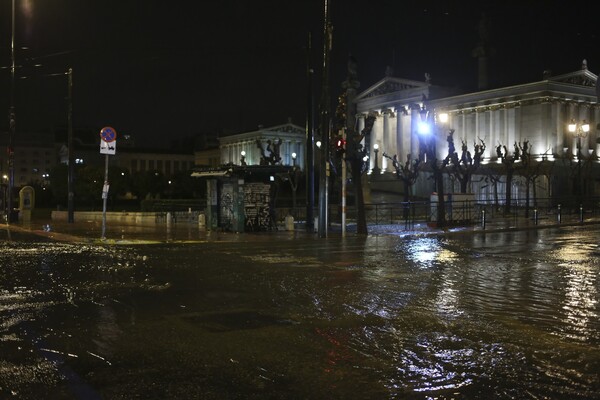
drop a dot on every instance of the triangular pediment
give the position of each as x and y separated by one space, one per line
391 85
287 128
582 77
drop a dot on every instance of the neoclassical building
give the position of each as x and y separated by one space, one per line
537 112
290 138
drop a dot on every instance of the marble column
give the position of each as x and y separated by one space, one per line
387 145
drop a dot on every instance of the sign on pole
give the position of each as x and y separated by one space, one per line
108 146
108 142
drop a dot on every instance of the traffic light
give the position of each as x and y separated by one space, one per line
340 146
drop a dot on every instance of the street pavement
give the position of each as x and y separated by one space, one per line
91 231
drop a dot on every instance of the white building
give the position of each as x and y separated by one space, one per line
292 139
537 112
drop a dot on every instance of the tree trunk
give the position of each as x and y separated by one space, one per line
361 220
441 207
509 176
464 182
405 212
527 183
496 200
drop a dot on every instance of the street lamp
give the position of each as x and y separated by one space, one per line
243 158
579 130
294 155
376 169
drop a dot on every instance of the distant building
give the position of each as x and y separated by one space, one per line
288 138
34 156
131 158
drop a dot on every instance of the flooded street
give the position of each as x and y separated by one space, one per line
511 315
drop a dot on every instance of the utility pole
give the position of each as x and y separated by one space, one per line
325 126
11 125
310 142
71 161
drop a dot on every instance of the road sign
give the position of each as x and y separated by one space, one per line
108 134
108 148
108 142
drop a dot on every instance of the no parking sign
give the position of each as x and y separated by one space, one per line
108 142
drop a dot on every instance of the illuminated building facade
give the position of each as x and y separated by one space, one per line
537 112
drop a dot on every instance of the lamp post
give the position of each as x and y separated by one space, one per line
11 125
4 186
376 169
243 158
579 130
294 155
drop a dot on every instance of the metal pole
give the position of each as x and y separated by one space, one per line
12 125
310 143
324 173
104 197
344 183
71 161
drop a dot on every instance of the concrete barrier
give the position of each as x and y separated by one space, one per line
123 217
289 223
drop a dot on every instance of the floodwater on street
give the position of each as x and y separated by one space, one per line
512 315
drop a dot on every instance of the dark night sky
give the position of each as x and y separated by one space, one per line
160 70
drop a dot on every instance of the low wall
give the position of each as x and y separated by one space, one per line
123 217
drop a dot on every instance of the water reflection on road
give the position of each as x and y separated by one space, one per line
503 315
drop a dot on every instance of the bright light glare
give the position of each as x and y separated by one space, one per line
294 155
243 153
572 127
318 143
376 146
443 117
424 128
585 127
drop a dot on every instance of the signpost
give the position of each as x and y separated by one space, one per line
108 146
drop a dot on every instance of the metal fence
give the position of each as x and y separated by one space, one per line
460 212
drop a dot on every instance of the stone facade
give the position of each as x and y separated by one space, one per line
537 112
292 137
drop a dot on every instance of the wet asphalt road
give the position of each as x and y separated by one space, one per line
503 315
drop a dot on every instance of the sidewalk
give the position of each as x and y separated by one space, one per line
91 232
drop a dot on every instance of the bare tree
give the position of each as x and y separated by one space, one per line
354 152
462 168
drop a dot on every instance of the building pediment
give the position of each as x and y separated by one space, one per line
391 85
582 77
286 128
